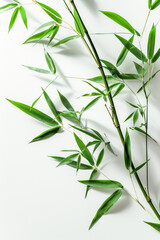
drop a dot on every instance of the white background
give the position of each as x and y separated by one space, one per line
37 200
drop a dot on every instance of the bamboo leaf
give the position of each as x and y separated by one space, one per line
91 104
100 157
119 89
139 167
39 36
156 56
129 117
92 177
67 39
86 132
151 42
145 84
143 132
51 106
33 112
121 21
48 133
50 62
86 153
68 159
113 70
149 4
66 103
13 18
102 183
39 70
73 163
93 94
23 15
135 117
96 146
8 6
129 76
78 24
78 163
154 225
155 4
107 204
140 70
51 12
134 50
53 34
127 151
97 89
99 79
71 116
123 53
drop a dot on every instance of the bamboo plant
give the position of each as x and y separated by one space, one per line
107 86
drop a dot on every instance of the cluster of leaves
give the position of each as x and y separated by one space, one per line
117 82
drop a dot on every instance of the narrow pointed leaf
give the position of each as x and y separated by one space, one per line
71 116
23 15
99 79
155 4
134 50
13 18
102 183
113 70
156 56
51 12
92 177
50 62
33 112
96 146
143 132
78 24
149 4
123 53
91 104
86 153
154 225
135 117
68 159
129 117
48 133
39 36
86 132
97 89
100 157
67 39
107 204
119 89
127 151
151 42
93 94
140 70
73 163
52 107
8 6
78 163
129 76
66 103
120 20
139 167
146 83
53 34
39 70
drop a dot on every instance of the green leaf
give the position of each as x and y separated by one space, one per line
143 132
40 70
69 116
52 107
140 70
86 132
39 36
51 12
13 18
78 163
78 24
156 56
53 34
67 39
154 225
93 94
96 146
119 89
107 204
86 153
123 53
73 163
113 70
48 133
149 4
68 159
50 62
129 117
92 177
139 167
129 76
127 151
66 103
151 42
135 117
102 183
145 84
100 157
91 104
8 6
134 50
155 4
97 89
23 15
99 79
121 21
35 113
